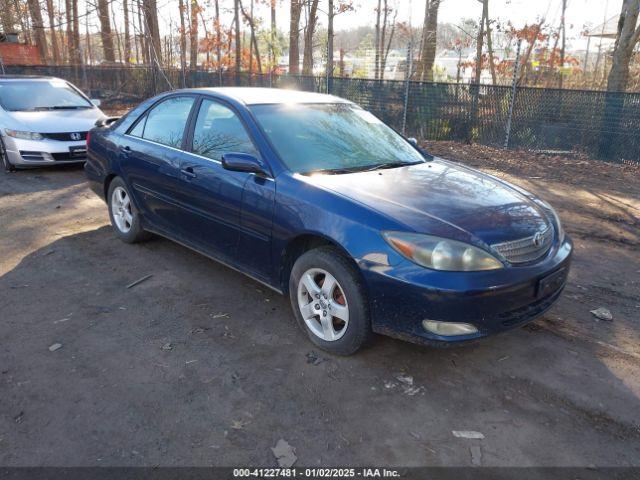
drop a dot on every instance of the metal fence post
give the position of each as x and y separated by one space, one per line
409 67
512 100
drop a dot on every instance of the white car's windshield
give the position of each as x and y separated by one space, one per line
34 95
332 138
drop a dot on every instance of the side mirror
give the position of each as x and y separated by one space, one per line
413 141
96 102
242 162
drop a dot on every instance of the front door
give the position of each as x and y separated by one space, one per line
220 219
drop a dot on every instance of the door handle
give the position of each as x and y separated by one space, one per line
188 172
126 149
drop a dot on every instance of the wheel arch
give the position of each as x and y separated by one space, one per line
302 243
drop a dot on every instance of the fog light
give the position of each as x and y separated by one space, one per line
448 329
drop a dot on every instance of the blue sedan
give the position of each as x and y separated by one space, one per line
320 200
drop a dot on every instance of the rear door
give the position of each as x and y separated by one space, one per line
152 153
230 213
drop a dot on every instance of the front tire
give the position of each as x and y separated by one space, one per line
8 166
125 219
329 301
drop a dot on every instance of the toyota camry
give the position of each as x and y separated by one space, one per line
321 201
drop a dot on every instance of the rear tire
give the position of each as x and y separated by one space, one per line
329 301
8 166
125 218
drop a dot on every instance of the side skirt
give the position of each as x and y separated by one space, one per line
210 256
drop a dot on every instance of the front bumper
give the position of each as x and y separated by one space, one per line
22 153
402 296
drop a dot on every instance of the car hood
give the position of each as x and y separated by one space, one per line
480 205
55 121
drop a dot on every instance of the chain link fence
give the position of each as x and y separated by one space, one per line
602 125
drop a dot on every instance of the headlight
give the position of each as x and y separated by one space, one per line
558 224
440 253
23 135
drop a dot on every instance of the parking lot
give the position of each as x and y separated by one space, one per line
198 365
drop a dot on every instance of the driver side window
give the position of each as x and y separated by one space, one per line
218 131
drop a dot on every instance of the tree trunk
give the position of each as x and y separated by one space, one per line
626 40
144 44
492 64
274 33
193 36
419 71
307 59
183 38
385 55
236 21
76 33
105 31
294 37
69 31
480 44
218 36
429 50
376 43
54 37
127 38
150 12
118 43
38 29
330 15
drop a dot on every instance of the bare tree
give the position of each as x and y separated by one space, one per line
193 36
69 30
127 37
312 20
105 31
424 70
77 54
273 33
626 39
376 42
254 42
236 21
386 47
38 28
218 35
52 28
183 37
7 16
150 13
294 36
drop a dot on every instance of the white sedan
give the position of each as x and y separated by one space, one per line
43 121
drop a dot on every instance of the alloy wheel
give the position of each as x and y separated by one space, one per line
121 209
323 304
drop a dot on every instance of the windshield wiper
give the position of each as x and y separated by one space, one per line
333 171
380 166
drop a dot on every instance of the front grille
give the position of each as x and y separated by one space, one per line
527 249
66 136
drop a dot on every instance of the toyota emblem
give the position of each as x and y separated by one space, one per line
76 136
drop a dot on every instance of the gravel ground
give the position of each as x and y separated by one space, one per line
199 365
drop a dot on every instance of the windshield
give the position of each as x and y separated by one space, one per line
332 138
33 95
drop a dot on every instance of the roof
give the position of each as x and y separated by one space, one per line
257 96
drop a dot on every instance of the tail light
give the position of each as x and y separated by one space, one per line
88 138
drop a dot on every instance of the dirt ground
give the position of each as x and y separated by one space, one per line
199 365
